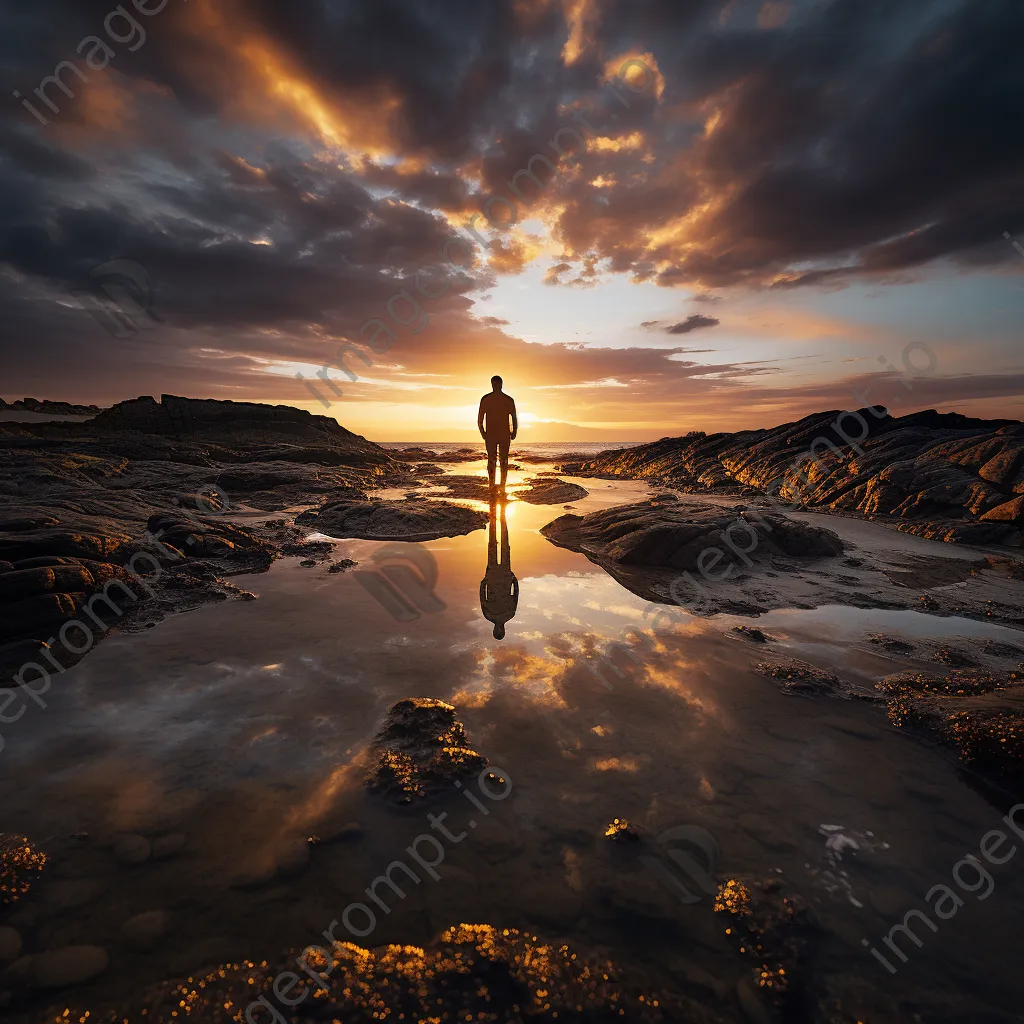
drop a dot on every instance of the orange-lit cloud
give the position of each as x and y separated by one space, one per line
581 17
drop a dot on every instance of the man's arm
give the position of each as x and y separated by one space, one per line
515 421
480 420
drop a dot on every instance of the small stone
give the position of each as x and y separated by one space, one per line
144 931
168 846
69 893
72 965
130 850
10 944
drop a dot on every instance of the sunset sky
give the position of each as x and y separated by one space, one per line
798 198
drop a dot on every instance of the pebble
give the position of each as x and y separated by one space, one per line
10 945
144 931
130 850
72 965
69 893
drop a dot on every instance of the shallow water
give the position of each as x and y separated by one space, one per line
242 724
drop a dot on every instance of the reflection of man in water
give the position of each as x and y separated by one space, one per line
497 409
499 589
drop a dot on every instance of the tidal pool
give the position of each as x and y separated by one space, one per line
241 726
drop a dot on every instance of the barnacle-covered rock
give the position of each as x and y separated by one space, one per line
421 750
774 930
980 714
472 972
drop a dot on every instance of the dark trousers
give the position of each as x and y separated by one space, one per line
497 447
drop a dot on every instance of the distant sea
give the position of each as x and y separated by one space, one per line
542 449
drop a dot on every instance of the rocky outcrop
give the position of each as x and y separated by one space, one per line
412 520
48 408
422 749
227 422
748 559
551 491
942 476
677 536
979 714
471 972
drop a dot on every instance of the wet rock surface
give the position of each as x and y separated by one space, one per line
774 930
460 485
471 972
394 520
802 679
747 559
551 491
155 485
421 750
978 714
676 536
942 476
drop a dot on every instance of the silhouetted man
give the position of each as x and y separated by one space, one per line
499 589
499 410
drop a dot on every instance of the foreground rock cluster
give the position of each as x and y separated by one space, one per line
421 750
939 475
473 972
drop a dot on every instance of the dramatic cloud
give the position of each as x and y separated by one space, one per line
694 322
282 169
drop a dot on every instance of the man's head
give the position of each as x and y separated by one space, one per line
496 383
499 630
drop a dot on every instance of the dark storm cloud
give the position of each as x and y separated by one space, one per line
793 148
694 322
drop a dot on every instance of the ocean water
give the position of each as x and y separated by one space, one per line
546 449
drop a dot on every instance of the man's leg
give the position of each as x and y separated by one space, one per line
503 451
492 457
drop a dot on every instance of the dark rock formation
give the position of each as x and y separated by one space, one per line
978 714
77 501
943 476
776 932
471 972
551 491
677 536
393 520
422 749
227 422
460 485
48 408
801 679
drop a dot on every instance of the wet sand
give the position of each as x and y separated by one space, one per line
242 727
